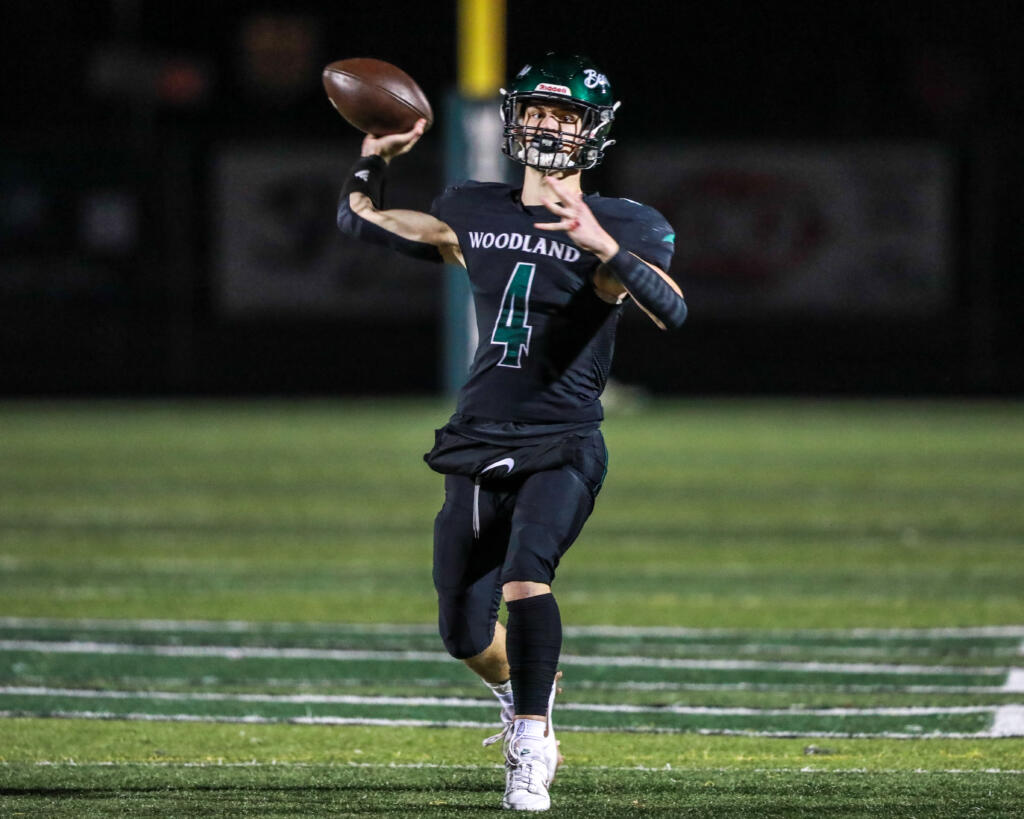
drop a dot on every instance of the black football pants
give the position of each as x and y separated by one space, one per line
495 532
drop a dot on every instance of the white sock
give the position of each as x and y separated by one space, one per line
500 689
503 691
530 729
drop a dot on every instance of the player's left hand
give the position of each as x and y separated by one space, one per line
576 219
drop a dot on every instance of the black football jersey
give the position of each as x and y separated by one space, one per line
546 339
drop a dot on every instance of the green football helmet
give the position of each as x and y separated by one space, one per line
570 81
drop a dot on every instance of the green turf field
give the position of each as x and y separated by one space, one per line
778 609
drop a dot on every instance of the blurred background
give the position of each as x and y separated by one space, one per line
845 181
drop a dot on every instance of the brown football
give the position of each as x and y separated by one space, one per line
375 96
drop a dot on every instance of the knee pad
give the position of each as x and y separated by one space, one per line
550 512
533 555
466 626
465 574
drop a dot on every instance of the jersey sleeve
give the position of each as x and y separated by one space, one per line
443 206
646 233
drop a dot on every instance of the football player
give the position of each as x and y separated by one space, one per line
523 457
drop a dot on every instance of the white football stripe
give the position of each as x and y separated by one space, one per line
228 652
458 702
967 632
1014 682
1009 721
209 696
666 768
848 688
249 626
765 665
243 652
256 720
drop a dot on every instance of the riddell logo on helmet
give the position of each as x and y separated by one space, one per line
552 88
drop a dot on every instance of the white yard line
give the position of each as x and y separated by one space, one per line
209 696
258 720
626 685
793 687
767 665
200 626
228 652
1009 721
1014 681
243 652
666 768
458 702
827 734
246 626
967 632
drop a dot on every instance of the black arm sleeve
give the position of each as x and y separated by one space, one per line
367 176
648 288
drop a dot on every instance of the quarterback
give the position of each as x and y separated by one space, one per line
551 269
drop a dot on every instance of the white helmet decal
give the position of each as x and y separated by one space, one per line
592 78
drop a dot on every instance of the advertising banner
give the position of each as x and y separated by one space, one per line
856 230
278 252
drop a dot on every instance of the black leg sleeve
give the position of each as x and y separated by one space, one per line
533 643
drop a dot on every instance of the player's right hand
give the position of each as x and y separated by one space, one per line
392 145
576 219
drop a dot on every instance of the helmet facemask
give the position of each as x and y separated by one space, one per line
578 146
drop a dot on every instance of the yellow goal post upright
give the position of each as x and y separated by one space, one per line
472 151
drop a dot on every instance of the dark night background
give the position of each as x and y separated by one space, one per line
124 104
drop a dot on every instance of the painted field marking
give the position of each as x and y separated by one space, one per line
416 723
260 652
249 626
258 720
634 685
767 665
460 702
1009 721
843 688
227 652
1014 681
964 632
666 768
240 626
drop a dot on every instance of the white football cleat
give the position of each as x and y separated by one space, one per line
531 760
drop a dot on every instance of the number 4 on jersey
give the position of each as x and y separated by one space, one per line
511 328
